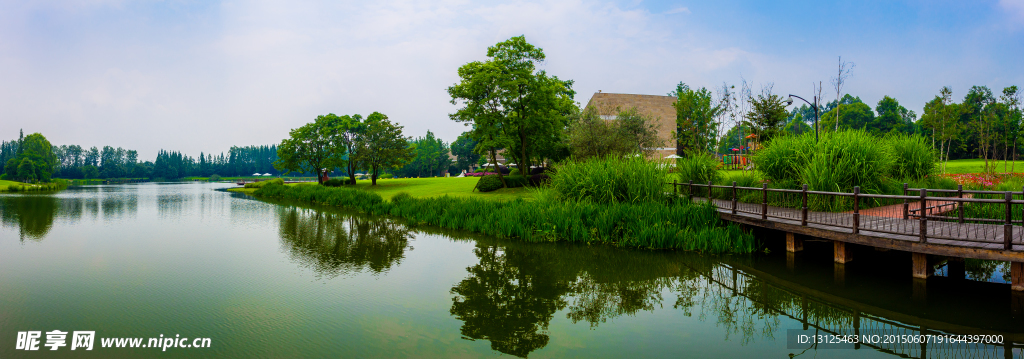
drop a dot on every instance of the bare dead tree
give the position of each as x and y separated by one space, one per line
838 81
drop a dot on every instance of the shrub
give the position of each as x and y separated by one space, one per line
912 156
538 170
698 167
515 181
3 177
539 179
489 183
336 182
515 172
610 180
261 184
214 177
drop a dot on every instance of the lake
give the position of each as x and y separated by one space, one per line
274 279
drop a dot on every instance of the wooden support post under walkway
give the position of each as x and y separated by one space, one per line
843 252
793 244
1017 276
921 268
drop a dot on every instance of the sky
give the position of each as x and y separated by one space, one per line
202 76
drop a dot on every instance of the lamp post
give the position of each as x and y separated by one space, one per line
789 101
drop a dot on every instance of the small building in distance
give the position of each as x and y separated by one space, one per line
608 106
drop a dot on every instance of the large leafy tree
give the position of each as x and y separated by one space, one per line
695 119
312 148
767 115
630 132
891 117
35 160
381 146
510 104
857 115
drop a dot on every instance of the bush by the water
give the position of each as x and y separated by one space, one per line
260 184
700 167
655 224
610 180
214 178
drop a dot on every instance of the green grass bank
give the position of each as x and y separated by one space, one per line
671 224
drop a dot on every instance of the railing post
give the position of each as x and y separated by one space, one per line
709 192
906 203
856 209
960 194
923 217
734 198
764 201
1007 227
689 191
803 210
675 187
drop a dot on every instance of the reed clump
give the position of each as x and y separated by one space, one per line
611 179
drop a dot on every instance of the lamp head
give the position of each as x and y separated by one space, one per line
788 101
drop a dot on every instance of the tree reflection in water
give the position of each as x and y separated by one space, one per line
510 297
333 244
32 214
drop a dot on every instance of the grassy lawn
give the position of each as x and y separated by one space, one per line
978 166
5 184
428 187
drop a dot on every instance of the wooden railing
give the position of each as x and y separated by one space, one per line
927 214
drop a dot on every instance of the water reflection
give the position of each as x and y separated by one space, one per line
31 214
334 244
511 296
35 214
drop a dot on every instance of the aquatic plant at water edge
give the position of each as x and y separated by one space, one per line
698 167
610 180
654 225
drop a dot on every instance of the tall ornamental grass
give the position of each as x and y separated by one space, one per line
652 225
699 167
610 180
913 157
839 161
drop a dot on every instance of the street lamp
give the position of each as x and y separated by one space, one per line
789 101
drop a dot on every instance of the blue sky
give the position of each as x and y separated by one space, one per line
203 76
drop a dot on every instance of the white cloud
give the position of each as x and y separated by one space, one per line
1016 8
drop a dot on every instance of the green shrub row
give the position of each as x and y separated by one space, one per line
653 225
261 184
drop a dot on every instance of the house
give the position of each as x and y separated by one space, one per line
608 106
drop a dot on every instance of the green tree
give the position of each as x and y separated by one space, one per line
510 104
35 160
312 148
636 132
891 117
767 115
695 119
857 115
462 149
27 171
590 136
381 145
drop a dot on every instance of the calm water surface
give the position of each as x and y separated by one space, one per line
269 279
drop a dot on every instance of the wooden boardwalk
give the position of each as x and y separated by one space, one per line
885 228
